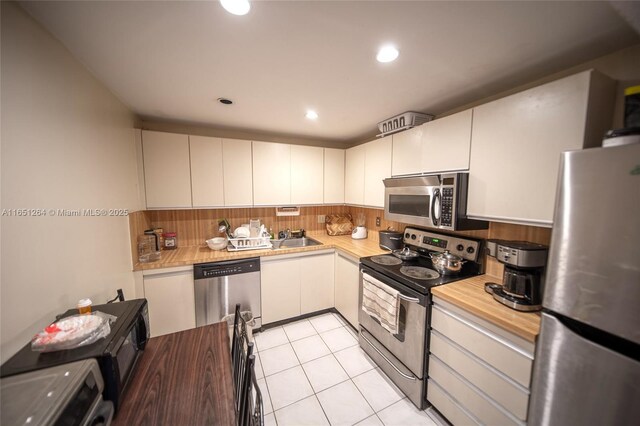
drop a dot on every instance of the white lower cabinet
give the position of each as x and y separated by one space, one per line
346 287
316 282
478 373
280 288
169 293
292 285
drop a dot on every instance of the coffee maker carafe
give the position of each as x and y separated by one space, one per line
523 278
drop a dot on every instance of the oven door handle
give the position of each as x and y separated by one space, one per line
406 376
400 295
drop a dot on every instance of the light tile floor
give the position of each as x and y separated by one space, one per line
312 372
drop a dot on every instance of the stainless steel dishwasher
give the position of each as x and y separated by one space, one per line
218 286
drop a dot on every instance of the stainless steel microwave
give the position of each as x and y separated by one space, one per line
431 201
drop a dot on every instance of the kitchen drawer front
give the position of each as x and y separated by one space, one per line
447 406
495 350
467 395
506 392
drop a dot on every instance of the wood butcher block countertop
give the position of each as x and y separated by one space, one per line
184 256
182 378
469 295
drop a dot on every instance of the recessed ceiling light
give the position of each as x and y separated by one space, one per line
225 101
236 7
387 54
311 115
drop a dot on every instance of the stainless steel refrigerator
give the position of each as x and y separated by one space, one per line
587 366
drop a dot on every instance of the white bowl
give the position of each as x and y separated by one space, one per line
217 243
242 232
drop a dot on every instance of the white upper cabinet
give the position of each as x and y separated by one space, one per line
354 175
446 143
440 145
238 176
333 176
407 152
167 170
207 188
517 141
307 174
271 174
377 166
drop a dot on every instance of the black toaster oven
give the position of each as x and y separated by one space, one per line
116 354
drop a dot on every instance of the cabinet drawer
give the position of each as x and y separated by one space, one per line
495 350
504 391
478 404
447 406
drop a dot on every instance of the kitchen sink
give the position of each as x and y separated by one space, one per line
299 242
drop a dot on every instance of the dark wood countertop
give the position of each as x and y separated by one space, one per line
182 378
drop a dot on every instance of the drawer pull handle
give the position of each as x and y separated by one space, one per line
406 376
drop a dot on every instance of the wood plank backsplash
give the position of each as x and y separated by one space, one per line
195 226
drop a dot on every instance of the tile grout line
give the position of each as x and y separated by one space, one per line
315 394
309 381
265 378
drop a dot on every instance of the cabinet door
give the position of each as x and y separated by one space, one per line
346 288
238 176
207 189
407 152
446 143
307 174
333 176
316 282
171 303
516 146
354 175
271 174
280 289
167 172
377 166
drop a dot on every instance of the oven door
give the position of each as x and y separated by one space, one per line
415 200
409 344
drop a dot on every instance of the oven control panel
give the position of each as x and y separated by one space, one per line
466 248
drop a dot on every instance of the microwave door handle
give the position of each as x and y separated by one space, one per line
436 208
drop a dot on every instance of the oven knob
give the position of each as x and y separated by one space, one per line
413 236
470 250
459 247
406 235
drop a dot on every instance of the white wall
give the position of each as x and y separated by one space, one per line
67 143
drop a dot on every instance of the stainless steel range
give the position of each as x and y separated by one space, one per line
403 354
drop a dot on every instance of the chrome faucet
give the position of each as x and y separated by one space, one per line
287 233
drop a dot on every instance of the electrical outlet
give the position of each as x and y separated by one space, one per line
378 221
321 218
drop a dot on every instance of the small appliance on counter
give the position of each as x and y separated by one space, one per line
359 231
68 394
523 278
116 354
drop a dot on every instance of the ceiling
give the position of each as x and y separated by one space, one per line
170 61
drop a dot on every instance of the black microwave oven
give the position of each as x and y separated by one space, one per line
116 354
436 201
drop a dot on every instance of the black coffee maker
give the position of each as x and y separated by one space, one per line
523 278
